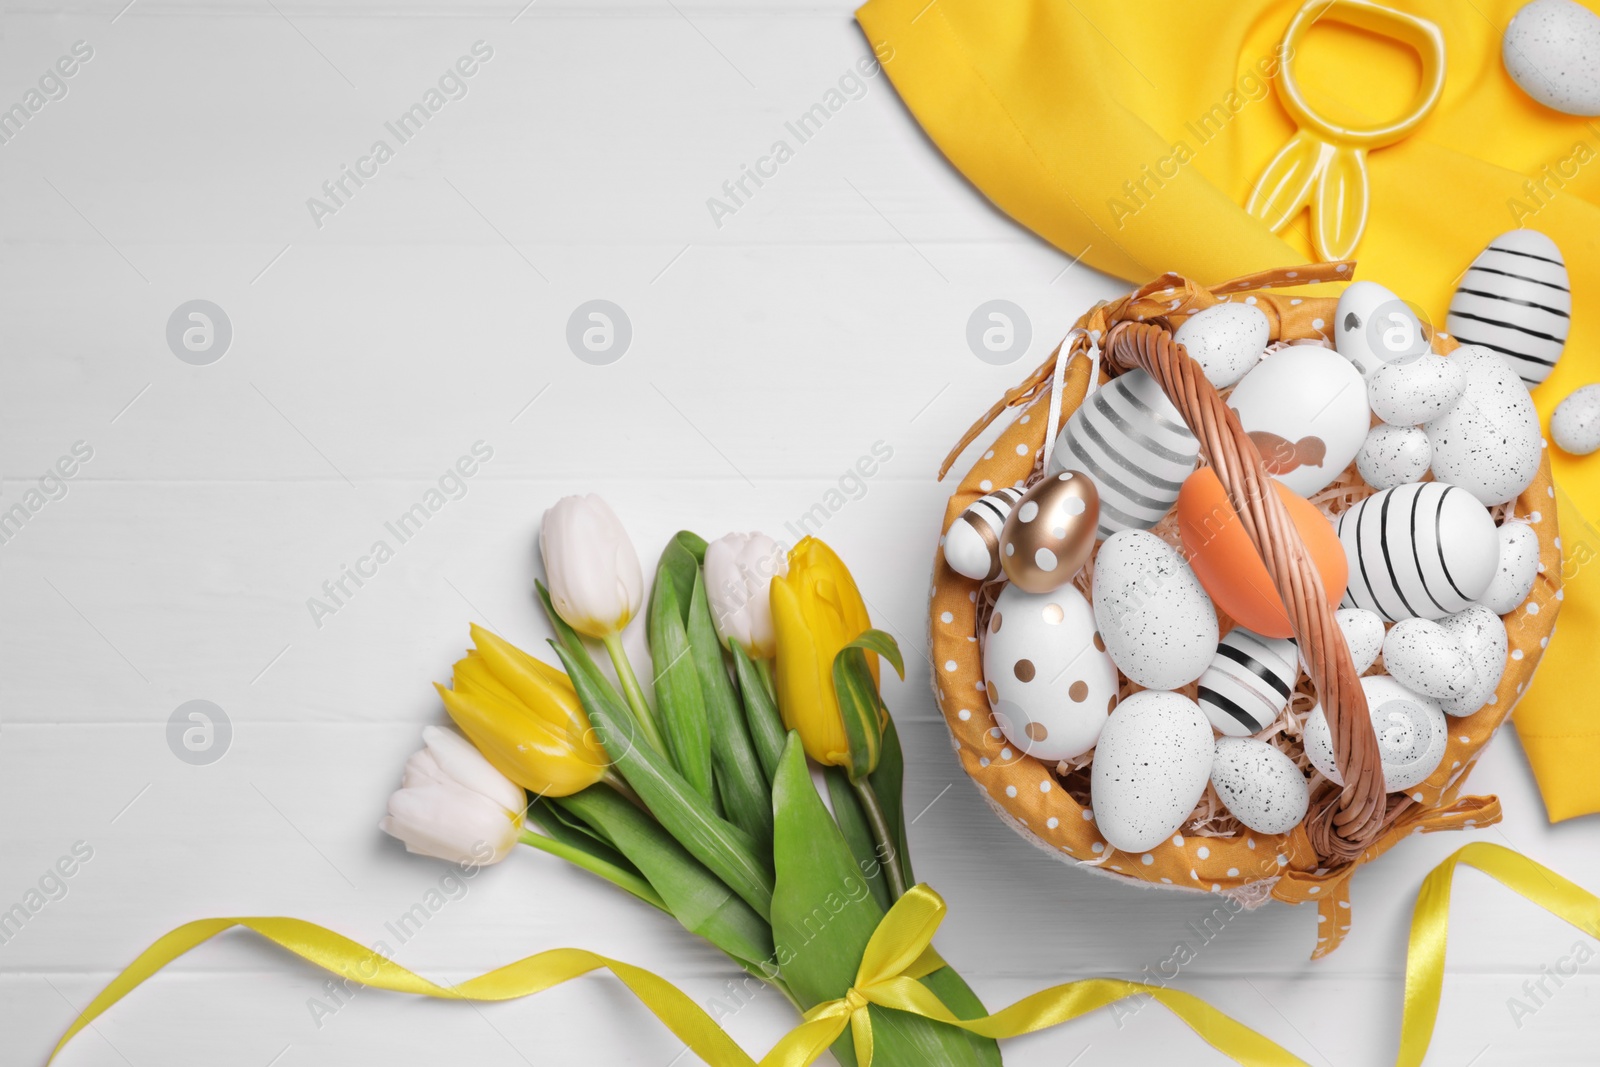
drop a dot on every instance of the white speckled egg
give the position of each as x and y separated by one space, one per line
1489 442
1519 566
1249 682
1150 769
1259 785
1422 656
1514 301
1482 636
1575 423
1305 408
1127 436
1411 730
1226 340
972 544
1418 551
1551 49
1416 390
1050 684
1363 635
1157 622
1373 327
1393 455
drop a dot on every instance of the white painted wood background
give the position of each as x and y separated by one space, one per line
429 313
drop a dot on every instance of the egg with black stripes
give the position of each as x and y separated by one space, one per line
1418 551
1130 440
1249 682
972 544
1516 300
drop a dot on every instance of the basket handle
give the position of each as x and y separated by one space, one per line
1343 824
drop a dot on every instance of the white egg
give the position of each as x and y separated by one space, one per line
1373 327
1424 657
1393 455
1226 340
1132 443
1418 551
1551 49
1519 566
1157 622
1483 637
1575 424
1489 442
1515 301
1305 407
1249 682
1363 635
1150 769
1049 684
1416 390
972 544
1259 785
1411 730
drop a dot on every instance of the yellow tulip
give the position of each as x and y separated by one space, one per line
816 612
525 718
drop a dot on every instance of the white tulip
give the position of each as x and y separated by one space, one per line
739 572
453 805
593 571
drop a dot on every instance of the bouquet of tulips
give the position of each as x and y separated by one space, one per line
701 802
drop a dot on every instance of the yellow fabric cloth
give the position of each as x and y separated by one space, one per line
1130 136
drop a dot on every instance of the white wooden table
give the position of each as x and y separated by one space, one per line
375 341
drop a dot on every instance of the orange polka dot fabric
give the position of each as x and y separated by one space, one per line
1250 867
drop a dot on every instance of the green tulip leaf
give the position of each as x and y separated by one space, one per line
679 702
885 646
760 713
861 709
888 782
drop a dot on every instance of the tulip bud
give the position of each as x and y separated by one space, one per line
739 569
816 612
453 805
595 580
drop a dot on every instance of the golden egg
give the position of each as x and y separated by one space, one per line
1050 533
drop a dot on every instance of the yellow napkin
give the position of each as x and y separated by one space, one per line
1131 136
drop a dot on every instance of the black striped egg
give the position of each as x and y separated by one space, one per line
1249 682
972 544
1131 441
1516 300
1423 550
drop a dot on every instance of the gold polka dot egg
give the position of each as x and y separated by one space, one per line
1049 681
1050 533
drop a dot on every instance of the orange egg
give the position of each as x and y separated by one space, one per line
1228 565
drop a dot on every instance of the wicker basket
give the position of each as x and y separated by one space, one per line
1344 827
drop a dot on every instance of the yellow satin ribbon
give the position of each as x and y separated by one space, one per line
899 952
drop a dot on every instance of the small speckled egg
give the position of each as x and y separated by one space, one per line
1150 769
1363 635
1489 442
1418 551
1519 566
1393 455
1226 340
1483 637
972 545
1157 622
1416 390
1306 410
1411 730
1050 683
1575 424
1050 532
1422 656
1249 682
1373 327
1551 49
1259 785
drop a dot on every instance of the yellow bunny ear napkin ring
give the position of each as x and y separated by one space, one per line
1324 165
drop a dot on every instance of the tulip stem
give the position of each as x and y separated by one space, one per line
610 872
888 849
630 689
